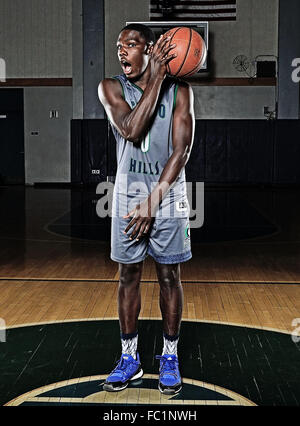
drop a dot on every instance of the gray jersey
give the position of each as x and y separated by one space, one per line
140 166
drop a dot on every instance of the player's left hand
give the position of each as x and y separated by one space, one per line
142 219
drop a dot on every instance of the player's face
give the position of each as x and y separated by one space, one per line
132 53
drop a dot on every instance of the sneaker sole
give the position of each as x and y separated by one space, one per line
110 388
169 391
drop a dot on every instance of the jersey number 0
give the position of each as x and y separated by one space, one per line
146 143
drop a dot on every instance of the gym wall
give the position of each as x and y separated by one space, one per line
36 43
47 155
48 44
254 33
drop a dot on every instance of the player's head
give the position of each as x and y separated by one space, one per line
134 44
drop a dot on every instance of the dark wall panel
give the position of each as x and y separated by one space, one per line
89 151
259 151
287 151
224 152
111 154
94 150
76 160
216 151
196 164
237 151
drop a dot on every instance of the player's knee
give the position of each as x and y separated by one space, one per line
130 275
168 276
169 282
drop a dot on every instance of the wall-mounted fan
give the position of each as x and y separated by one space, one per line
241 63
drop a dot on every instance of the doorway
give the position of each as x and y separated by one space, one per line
12 168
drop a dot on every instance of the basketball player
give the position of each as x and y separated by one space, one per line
152 118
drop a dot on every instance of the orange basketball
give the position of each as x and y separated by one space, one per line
191 52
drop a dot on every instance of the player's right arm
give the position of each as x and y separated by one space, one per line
133 124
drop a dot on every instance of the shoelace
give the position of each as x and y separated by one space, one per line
121 365
168 364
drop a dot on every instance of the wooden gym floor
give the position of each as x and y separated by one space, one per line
47 276
55 265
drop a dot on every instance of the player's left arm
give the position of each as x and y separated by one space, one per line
183 137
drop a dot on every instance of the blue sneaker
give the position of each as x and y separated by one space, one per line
169 377
128 369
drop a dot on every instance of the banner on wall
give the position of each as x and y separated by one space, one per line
192 10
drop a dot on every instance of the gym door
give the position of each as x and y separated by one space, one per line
12 170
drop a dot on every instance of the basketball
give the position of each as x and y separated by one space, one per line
191 52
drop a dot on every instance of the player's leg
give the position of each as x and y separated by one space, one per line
170 246
129 297
129 305
171 297
171 305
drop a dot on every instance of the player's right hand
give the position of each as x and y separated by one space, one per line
160 57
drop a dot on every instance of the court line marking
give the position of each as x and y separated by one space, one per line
276 330
103 280
30 396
